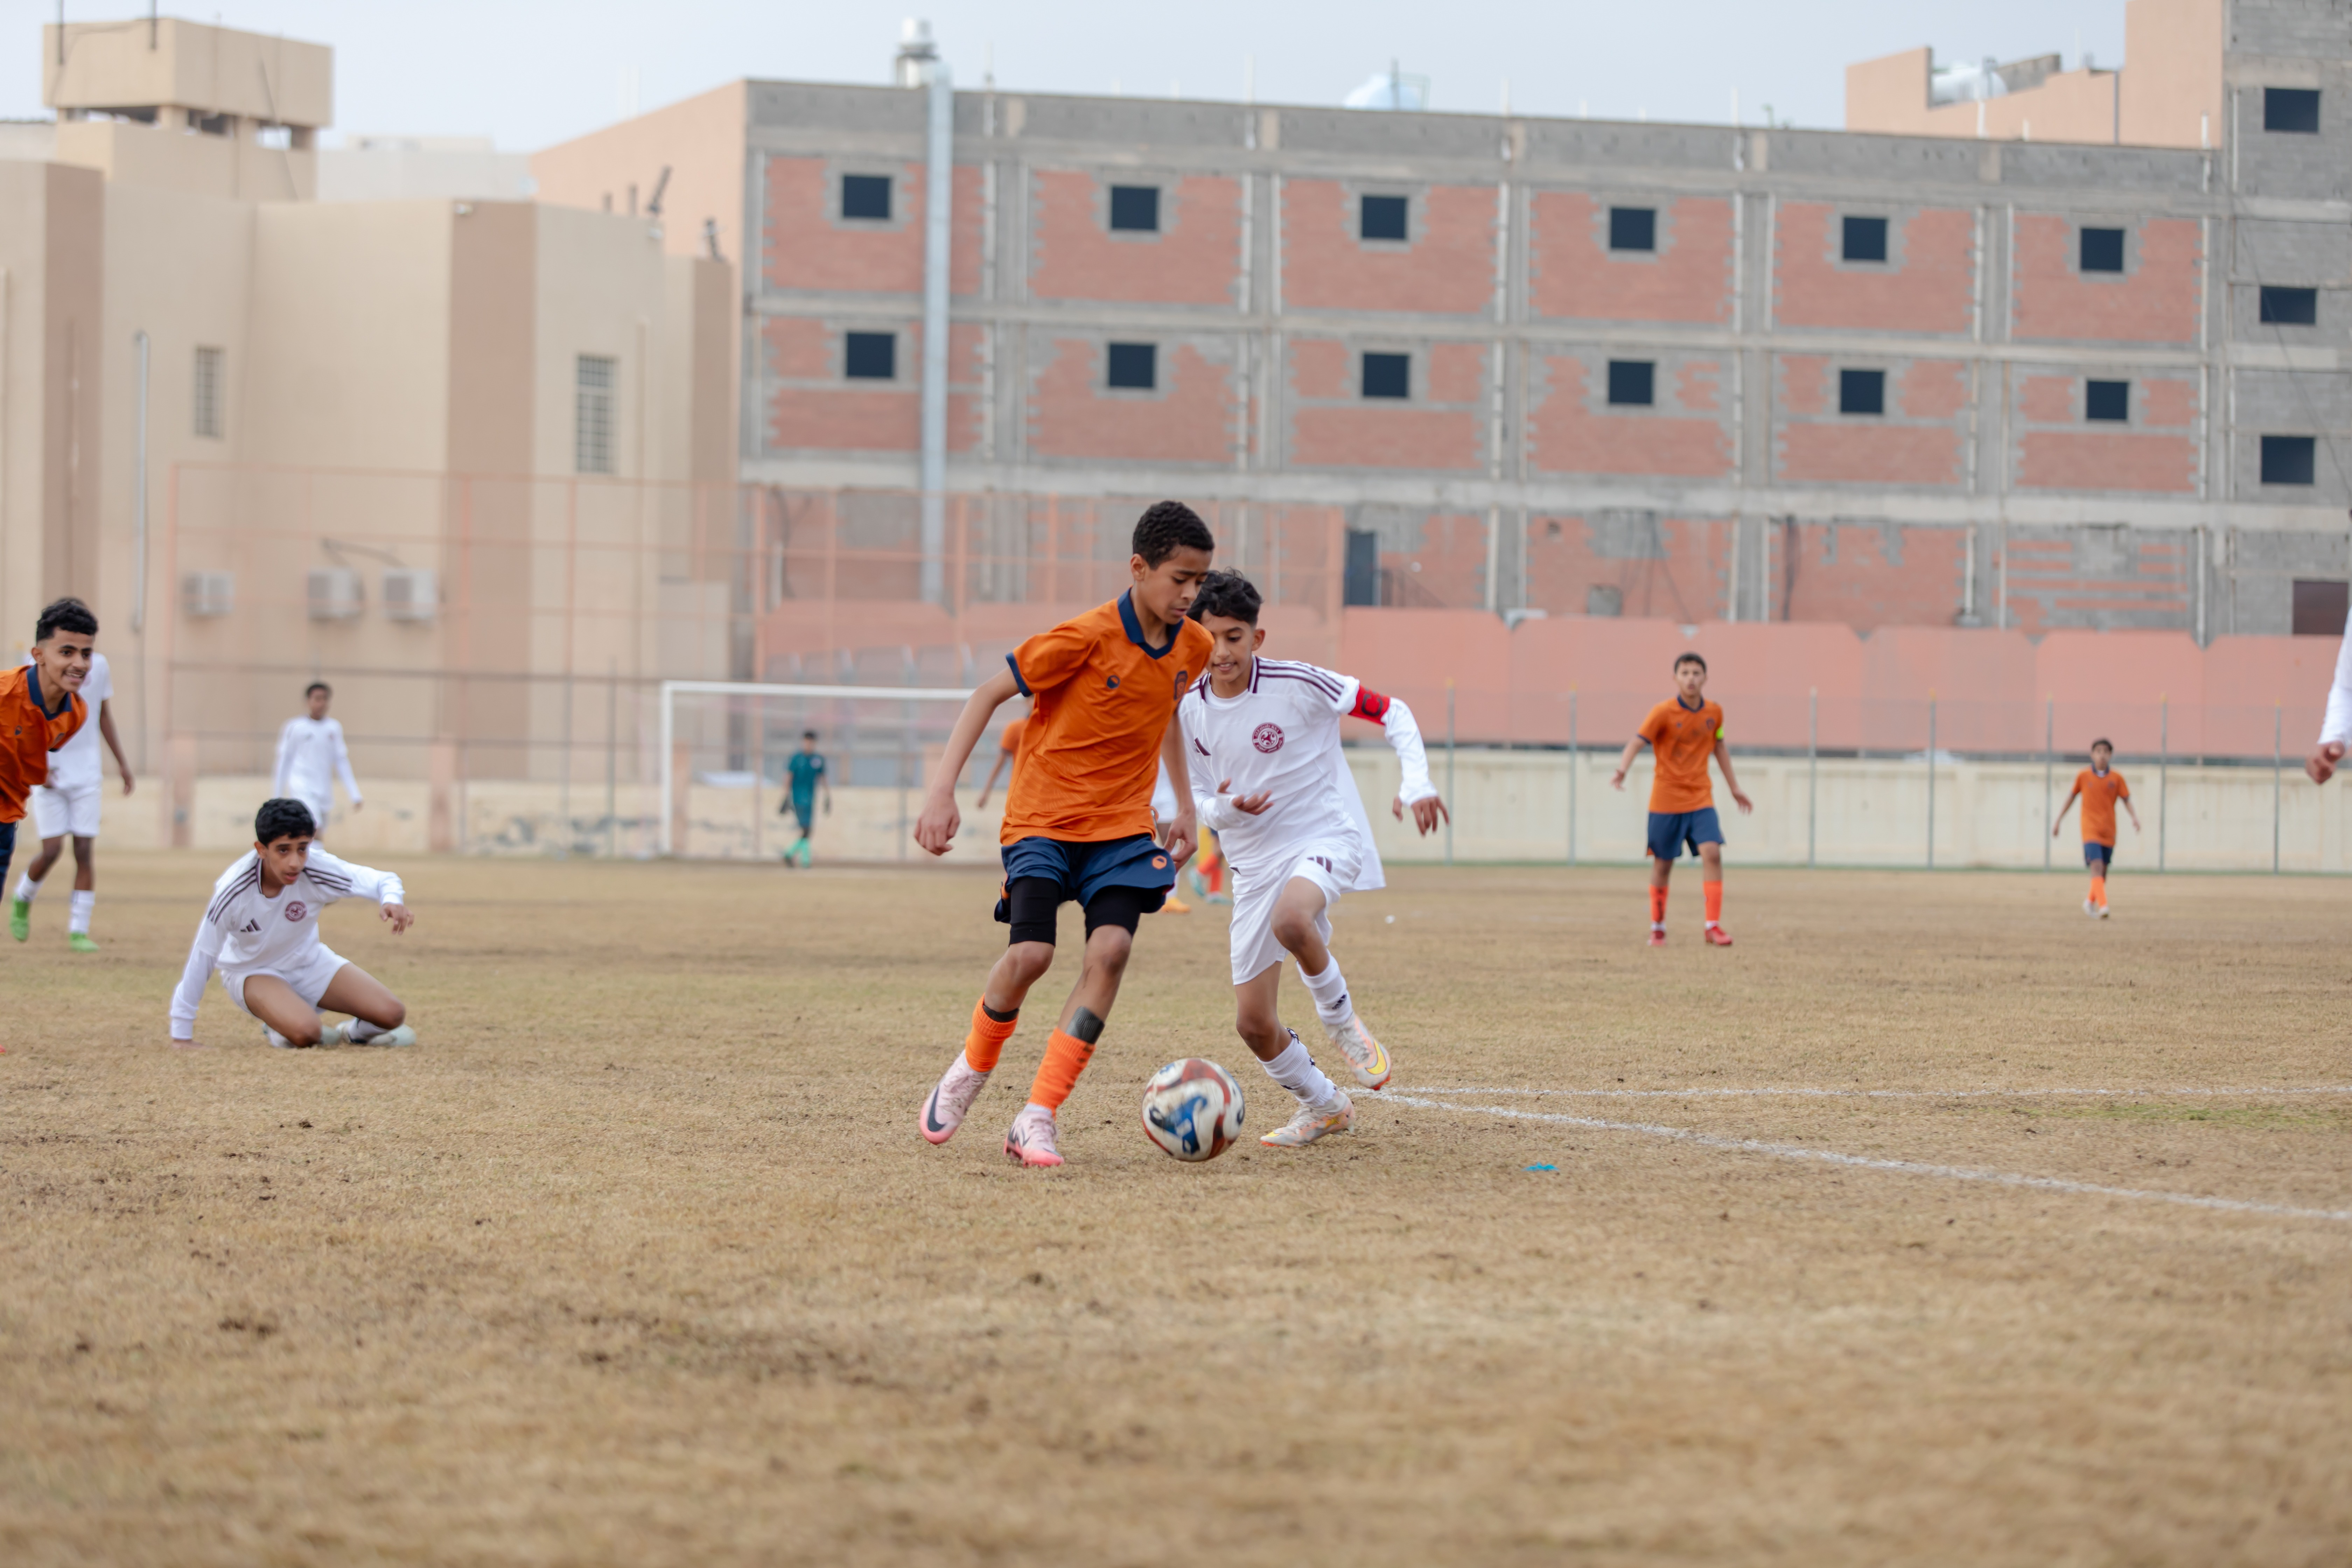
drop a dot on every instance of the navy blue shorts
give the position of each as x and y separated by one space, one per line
2097 854
1082 870
1670 830
7 843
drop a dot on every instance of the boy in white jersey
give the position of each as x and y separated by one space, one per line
1295 835
311 755
68 806
261 932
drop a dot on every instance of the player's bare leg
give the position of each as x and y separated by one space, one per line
85 894
1031 1139
1322 1107
286 1019
1020 966
378 1017
1662 871
1295 911
1710 858
20 905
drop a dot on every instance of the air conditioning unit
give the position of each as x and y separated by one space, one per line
411 594
208 594
335 594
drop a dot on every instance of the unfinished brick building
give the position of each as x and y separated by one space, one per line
1577 367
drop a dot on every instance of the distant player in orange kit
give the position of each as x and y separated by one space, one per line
2101 787
1684 732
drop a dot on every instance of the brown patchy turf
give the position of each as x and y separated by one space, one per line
638 1258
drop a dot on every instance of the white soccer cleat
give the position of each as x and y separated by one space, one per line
951 1099
328 1035
1310 1122
1366 1059
2091 909
403 1036
1030 1140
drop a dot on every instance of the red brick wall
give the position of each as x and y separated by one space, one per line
1889 448
1188 419
1440 428
2058 450
1860 575
1571 429
1448 570
2152 300
1926 285
1574 275
1447 267
2046 590
806 244
1685 583
811 407
1193 260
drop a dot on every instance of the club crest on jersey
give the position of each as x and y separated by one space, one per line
297 910
1111 684
1267 738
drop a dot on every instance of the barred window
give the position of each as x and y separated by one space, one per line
592 421
210 395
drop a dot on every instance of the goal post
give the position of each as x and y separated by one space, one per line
724 759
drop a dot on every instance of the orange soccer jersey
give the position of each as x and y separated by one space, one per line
2100 794
1684 738
1101 702
28 736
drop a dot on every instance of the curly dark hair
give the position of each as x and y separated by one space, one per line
64 614
1228 594
1169 526
1688 658
282 818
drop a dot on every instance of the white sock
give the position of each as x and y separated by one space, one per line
359 1029
1295 1069
1034 1109
78 915
26 888
1329 990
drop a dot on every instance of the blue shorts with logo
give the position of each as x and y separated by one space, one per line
1670 830
1083 871
2097 854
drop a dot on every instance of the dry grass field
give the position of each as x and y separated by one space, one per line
638 1258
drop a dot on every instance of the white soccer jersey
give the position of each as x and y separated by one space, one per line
1282 737
310 757
244 929
76 765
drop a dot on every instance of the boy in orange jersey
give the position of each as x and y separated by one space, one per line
40 710
1684 732
1008 758
1103 690
2100 787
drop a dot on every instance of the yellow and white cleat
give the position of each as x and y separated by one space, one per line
1311 1123
1366 1059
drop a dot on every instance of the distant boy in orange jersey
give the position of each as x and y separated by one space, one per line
1684 733
1008 758
1103 690
2100 787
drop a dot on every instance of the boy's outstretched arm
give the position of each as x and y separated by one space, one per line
935 829
2133 812
1625 762
2059 823
1184 833
1723 761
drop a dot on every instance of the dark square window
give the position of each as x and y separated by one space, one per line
1388 375
1135 208
1630 382
1382 217
2286 459
2103 250
1134 365
2322 606
2290 306
1865 239
2106 400
2291 108
1361 584
870 356
866 195
1632 228
1862 392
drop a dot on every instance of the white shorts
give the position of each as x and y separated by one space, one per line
319 812
308 977
58 813
1331 864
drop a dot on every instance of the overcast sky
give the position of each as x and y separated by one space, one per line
531 72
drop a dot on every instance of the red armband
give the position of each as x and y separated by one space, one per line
1370 704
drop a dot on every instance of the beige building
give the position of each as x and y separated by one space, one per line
453 454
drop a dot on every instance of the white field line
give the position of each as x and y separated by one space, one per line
1889 1093
1867 1163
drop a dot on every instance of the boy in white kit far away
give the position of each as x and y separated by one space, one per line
310 756
1262 736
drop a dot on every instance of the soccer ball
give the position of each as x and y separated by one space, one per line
1192 1109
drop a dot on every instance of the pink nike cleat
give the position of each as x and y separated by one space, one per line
1030 1140
1717 937
1657 936
951 1099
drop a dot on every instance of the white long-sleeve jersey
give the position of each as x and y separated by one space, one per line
244 928
2338 725
310 756
1281 736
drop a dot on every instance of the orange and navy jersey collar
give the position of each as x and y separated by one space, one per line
1698 707
1135 627
33 690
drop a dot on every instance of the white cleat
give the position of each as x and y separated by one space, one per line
951 1099
1030 1140
1310 1122
403 1036
1366 1059
2092 909
328 1035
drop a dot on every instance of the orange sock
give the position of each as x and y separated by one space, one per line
2099 891
1657 906
985 1042
1714 902
1066 1058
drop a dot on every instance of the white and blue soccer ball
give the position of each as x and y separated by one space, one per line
1192 1109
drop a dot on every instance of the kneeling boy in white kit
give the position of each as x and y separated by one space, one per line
1294 831
261 932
